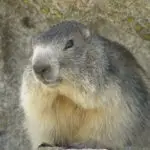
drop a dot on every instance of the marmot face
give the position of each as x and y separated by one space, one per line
60 51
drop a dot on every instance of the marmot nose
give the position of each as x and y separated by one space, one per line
41 69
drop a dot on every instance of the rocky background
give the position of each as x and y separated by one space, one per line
125 21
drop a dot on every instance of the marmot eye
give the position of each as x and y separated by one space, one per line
69 44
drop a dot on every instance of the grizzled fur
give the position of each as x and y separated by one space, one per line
95 93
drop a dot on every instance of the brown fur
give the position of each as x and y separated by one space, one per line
54 118
83 89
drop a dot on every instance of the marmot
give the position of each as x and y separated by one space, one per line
83 89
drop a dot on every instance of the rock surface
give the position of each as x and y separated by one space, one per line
127 22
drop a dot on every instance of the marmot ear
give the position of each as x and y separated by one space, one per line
86 33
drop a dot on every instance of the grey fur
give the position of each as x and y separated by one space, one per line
95 64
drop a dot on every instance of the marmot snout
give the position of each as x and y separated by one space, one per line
83 89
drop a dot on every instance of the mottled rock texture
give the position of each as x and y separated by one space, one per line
125 21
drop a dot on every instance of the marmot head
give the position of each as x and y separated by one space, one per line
60 51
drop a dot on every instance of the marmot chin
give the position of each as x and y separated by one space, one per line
82 90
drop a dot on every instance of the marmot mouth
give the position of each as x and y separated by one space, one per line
52 83
48 82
